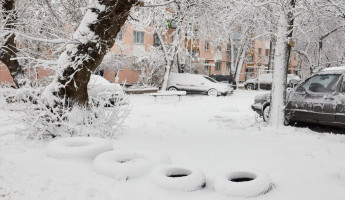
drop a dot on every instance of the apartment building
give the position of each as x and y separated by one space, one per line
205 56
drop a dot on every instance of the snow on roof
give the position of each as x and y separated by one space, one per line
340 68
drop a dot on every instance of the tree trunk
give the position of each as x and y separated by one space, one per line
271 56
181 67
281 63
240 63
232 55
8 49
94 37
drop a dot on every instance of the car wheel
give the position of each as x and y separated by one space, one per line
212 92
172 89
250 87
266 113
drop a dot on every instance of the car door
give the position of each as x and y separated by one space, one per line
198 84
207 83
181 81
340 110
315 100
297 108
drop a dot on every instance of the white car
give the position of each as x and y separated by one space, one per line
195 83
100 88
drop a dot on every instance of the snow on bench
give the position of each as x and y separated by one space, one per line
168 93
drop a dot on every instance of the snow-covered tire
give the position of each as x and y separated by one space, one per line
243 183
123 165
178 178
172 88
212 92
78 147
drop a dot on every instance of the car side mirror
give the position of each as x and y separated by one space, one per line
301 90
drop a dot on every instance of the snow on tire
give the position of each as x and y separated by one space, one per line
243 183
78 147
178 178
123 165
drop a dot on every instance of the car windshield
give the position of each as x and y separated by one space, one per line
210 79
321 83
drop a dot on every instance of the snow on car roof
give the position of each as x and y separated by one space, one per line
340 68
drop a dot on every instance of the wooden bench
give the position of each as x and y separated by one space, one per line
168 93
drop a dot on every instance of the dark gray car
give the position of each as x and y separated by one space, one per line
319 99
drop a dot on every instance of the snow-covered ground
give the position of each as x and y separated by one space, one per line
213 134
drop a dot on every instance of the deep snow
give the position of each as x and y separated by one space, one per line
215 134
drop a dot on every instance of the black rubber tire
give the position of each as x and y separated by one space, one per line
265 113
212 92
250 86
172 88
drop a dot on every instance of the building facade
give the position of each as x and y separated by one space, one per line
205 57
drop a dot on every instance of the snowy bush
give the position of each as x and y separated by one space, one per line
151 67
101 118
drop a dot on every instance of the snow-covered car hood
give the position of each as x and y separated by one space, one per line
263 96
98 86
266 96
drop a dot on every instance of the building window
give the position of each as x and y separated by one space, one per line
207 45
206 65
228 54
119 36
259 51
267 52
217 67
252 44
250 58
156 41
219 47
193 53
228 47
228 66
138 37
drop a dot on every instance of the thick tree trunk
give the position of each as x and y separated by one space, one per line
94 37
281 63
241 61
271 56
8 50
232 55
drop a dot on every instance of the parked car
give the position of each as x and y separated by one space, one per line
225 79
195 83
100 88
319 99
264 81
